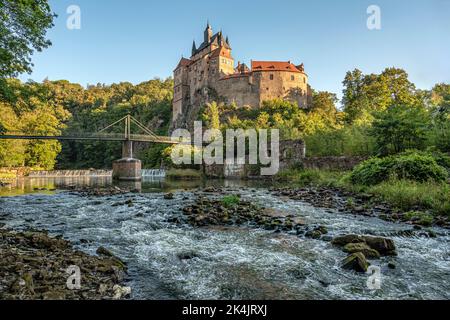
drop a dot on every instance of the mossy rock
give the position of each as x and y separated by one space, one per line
356 261
363 248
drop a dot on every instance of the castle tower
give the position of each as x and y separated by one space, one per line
208 33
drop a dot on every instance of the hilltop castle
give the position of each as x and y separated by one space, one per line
210 75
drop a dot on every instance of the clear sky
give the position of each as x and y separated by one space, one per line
137 40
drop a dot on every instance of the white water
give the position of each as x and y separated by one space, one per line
233 262
153 173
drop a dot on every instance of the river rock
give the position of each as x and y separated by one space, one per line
348 238
384 246
168 196
34 266
121 292
363 248
356 261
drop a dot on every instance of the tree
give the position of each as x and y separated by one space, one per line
212 115
23 26
365 94
400 127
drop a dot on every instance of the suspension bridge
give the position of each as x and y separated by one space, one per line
126 168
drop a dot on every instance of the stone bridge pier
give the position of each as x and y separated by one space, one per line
127 168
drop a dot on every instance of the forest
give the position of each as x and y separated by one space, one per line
380 114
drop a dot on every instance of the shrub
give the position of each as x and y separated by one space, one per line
230 200
411 166
422 218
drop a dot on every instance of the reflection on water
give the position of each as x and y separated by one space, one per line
48 185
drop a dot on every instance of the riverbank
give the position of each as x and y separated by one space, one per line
423 203
35 266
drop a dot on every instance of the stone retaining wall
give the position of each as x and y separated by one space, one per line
332 163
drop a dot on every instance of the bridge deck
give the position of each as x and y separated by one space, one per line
95 137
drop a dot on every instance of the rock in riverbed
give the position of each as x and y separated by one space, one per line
235 211
356 261
384 246
34 265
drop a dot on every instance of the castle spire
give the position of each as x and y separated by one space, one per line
208 33
194 48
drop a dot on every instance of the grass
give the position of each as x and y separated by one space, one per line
184 174
405 195
230 200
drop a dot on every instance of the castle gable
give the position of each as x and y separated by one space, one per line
183 63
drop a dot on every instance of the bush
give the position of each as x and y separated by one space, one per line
413 166
441 158
230 200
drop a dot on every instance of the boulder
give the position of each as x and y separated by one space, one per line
348 238
168 196
384 246
363 248
356 261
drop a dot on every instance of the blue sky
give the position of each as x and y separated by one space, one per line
137 40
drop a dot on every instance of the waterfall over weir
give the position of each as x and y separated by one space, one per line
146 173
70 173
153 173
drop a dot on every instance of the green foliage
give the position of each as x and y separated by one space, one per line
411 166
407 195
308 177
351 140
422 218
184 174
399 128
23 25
364 94
211 115
55 107
292 121
230 200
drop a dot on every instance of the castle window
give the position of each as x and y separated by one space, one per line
271 77
304 80
292 78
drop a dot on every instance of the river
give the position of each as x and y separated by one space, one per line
227 262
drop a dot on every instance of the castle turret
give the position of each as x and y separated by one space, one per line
208 33
194 48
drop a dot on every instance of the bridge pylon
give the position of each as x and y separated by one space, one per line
128 168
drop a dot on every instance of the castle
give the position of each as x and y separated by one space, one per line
210 75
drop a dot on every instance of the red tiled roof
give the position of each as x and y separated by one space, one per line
274 66
183 63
